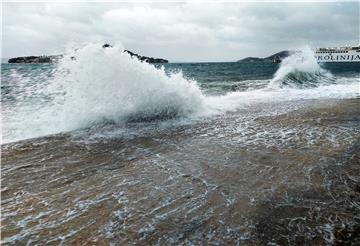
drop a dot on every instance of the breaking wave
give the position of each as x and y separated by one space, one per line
301 70
106 84
93 85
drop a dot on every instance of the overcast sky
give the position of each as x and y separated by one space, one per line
180 31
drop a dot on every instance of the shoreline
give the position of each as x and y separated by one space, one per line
150 189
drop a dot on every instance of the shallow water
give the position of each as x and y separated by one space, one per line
273 163
288 178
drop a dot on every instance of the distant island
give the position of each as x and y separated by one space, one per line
35 59
55 58
273 58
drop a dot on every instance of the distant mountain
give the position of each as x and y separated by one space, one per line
251 59
281 55
273 58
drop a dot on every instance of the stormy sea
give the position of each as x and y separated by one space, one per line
102 149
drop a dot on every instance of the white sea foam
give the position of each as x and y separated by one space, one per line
235 100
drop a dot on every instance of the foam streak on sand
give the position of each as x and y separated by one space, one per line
273 179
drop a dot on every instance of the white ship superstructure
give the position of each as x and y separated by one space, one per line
340 54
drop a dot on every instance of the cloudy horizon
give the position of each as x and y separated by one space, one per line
180 32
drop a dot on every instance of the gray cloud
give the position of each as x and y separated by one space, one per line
180 31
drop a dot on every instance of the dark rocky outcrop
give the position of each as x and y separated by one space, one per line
146 59
35 59
107 46
141 58
278 57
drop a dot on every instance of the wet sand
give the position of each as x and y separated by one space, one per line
243 178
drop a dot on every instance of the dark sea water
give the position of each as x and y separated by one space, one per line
106 150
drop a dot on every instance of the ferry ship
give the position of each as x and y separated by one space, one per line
339 54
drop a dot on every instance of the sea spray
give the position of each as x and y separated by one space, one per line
93 85
106 84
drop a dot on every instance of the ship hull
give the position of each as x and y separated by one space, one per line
348 56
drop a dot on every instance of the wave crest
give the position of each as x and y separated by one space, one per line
93 85
301 70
